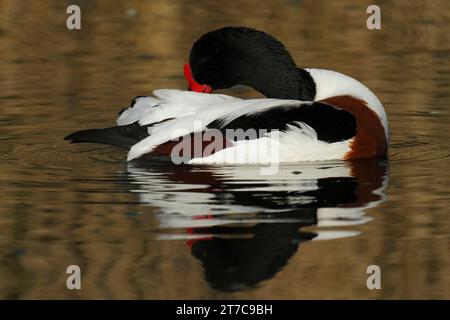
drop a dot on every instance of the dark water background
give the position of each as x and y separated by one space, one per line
159 231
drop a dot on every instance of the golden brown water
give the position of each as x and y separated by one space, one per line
158 231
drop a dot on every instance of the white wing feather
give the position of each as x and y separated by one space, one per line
198 117
169 103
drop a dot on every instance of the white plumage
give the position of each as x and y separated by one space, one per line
176 113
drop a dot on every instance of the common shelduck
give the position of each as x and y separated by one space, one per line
308 115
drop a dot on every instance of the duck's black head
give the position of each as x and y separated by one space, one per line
237 55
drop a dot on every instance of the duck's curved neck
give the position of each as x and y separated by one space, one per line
296 84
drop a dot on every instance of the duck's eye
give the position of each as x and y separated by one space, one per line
201 60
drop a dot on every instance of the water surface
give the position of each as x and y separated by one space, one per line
158 231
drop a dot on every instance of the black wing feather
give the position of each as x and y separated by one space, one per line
330 123
121 136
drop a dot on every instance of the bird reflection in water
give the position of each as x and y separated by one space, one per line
244 227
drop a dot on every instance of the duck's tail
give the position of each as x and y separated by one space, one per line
121 136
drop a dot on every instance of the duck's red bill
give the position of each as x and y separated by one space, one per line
194 85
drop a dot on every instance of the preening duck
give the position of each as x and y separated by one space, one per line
308 115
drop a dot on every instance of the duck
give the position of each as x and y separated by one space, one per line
307 114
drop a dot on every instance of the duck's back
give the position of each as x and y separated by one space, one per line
330 84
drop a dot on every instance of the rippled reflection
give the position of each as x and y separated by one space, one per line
243 226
